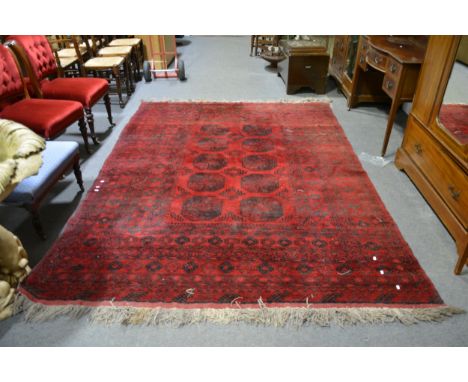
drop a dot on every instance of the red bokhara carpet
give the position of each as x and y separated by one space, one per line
455 119
224 212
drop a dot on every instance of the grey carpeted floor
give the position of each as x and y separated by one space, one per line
219 68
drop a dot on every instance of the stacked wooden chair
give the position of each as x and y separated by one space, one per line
65 55
137 52
115 68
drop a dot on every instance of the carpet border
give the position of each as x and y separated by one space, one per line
261 315
281 100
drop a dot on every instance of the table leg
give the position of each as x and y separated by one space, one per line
462 256
391 119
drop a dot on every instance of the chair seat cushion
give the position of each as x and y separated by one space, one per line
47 118
57 158
115 51
67 61
104 62
87 91
125 41
70 52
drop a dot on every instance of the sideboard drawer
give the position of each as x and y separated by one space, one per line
446 176
393 68
376 59
389 86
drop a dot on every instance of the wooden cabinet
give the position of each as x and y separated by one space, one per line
434 160
348 67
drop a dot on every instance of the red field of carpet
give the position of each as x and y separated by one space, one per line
216 205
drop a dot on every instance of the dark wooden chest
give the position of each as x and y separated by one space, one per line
306 65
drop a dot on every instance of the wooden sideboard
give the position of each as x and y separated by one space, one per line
434 160
378 69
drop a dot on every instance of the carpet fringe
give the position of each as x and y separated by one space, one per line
277 317
281 100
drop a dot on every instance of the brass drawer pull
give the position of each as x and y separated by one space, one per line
389 85
376 59
308 67
454 192
418 148
393 68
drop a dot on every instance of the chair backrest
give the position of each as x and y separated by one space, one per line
39 53
11 82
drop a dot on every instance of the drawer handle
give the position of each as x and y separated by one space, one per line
393 68
376 59
418 148
454 192
308 67
389 85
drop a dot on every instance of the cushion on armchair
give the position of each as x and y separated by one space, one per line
57 158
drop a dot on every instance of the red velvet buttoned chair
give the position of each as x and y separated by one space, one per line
36 55
48 118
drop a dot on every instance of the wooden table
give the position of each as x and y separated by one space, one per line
399 58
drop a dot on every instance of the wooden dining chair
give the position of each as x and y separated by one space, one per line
137 52
113 68
65 55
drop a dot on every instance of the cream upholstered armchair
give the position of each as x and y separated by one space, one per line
20 157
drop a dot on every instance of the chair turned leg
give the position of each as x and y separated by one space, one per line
90 120
137 62
84 133
128 77
108 108
36 222
77 171
118 83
